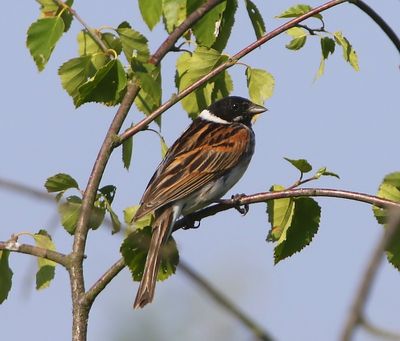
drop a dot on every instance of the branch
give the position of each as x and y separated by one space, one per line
379 21
355 316
379 332
223 205
36 251
90 30
226 303
232 61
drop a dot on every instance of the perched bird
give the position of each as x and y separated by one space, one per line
198 169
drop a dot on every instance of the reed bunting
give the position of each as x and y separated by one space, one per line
198 169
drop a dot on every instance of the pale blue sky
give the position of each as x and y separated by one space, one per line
346 121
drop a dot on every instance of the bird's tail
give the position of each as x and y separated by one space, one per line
160 234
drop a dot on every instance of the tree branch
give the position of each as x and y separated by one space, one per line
223 205
36 251
225 302
355 316
379 21
232 61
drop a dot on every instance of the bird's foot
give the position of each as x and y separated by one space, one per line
241 208
190 223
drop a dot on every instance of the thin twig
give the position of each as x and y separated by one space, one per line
90 30
225 302
379 21
379 332
357 309
36 251
13 186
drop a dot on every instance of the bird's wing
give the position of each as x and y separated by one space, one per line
197 158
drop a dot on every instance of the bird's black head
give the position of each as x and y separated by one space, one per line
232 109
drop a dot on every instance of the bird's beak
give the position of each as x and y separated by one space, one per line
256 110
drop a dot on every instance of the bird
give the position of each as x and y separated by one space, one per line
198 169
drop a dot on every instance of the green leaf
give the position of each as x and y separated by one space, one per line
389 189
49 8
108 192
299 38
324 172
301 164
112 42
327 47
256 19
60 182
164 147
298 10
207 29
74 73
133 43
106 86
42 37
127 149
86 44
129 214
46 267
151 11
225 25
349 54
280 213
260 84
304 225
69 213
189 69
134 251
223 86
5 275
174 13
116 224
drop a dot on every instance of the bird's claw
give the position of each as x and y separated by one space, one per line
191 223
243 209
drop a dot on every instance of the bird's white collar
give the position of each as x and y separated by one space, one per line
208 116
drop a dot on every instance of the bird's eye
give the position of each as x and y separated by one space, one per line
235 107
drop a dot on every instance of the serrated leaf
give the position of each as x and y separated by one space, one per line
60 182
108 192
386 191
190 68
327 47
69 213
256 18
49 8
299 36
5 275
151 11
106 86
298 10
301 164
74 73
86 44
134 44
280 213
129 213
46 267
223 86
349 54
42 37
324 172
207 29
174 13
225 25
127 149
260 84
304 225
134 251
